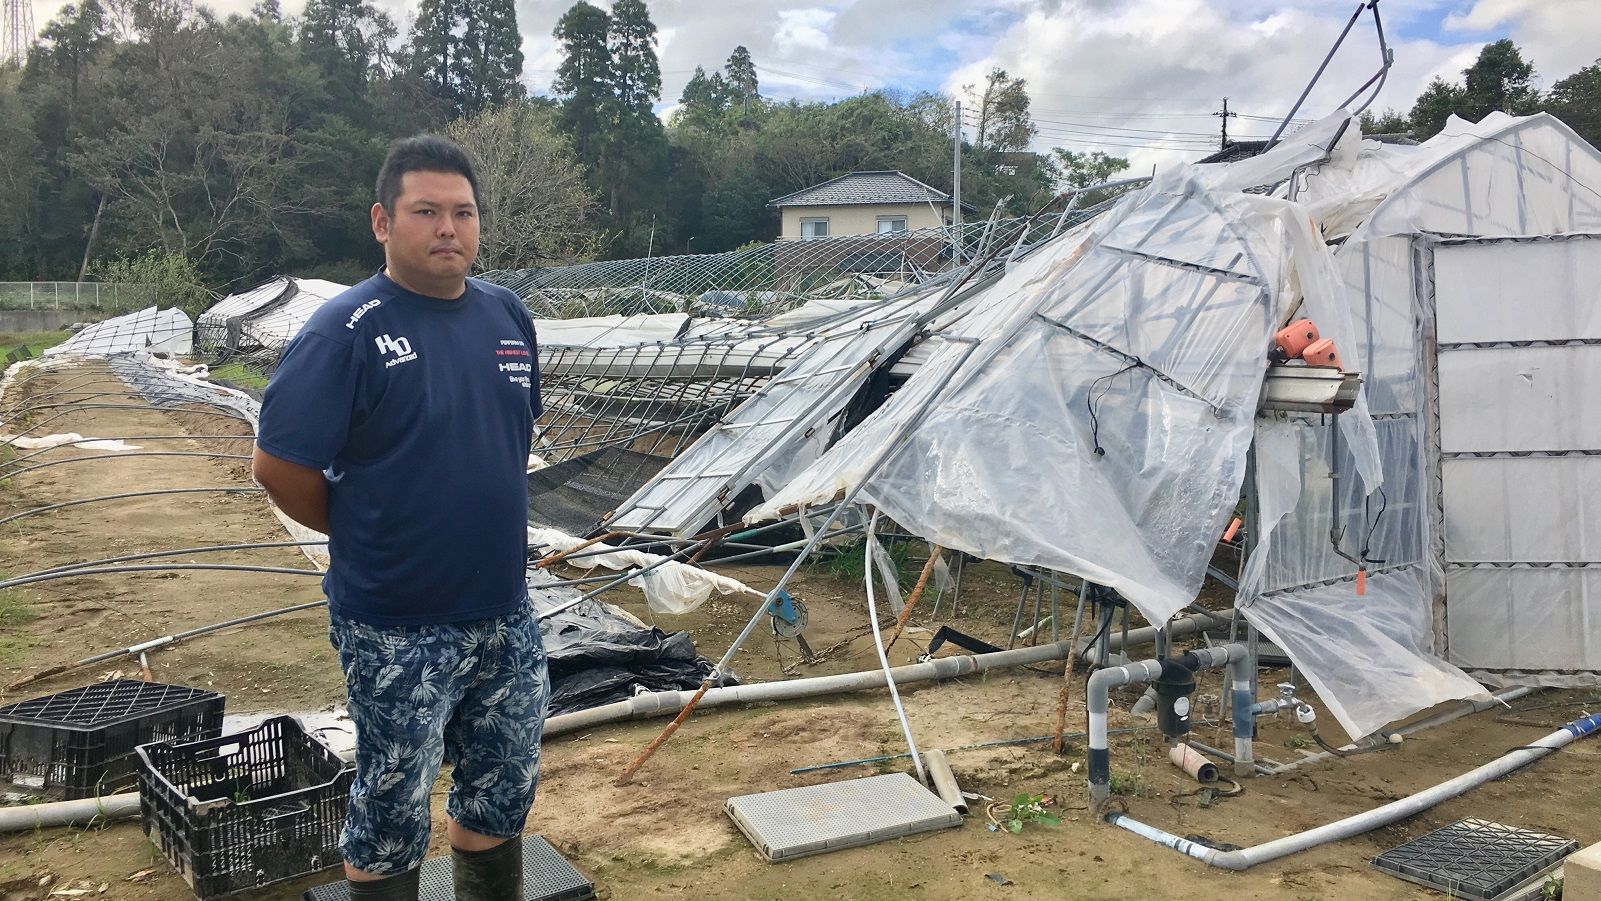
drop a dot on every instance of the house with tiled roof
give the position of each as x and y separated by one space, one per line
862 203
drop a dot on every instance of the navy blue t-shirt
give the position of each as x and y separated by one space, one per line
421 412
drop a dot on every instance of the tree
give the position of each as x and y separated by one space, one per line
744 90
349 41
636 73
1576 100
1390 122
20 175
174 278
469 51
1081 170
1438 102
703 103
432 48
634 143
537 208
584 77
490 63
1499 80
1002 111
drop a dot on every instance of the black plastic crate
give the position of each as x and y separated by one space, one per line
239 811
80 743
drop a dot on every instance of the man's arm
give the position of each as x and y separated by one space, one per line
299 491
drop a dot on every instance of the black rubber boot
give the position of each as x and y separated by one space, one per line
493 875
403 887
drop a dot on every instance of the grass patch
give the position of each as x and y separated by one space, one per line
13 648
850 564
13 610
240 375
35 342
1130 785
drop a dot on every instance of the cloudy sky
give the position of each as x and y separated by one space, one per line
1136 78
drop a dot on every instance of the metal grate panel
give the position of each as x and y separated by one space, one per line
813 819
546 877
1476 859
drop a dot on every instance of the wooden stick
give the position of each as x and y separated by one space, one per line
917 592
672 727
1061 699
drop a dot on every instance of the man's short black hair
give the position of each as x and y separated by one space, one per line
422 153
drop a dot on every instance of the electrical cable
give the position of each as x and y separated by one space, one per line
1089 404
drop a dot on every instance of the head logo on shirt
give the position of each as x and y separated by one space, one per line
362 311
400 347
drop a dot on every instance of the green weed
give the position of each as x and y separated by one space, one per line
1028 808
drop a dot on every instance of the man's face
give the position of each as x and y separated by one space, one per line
430 238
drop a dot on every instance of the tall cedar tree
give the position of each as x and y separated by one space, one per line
584 78
469 51
349 41
743 89
635 139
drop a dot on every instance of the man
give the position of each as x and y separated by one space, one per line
399 424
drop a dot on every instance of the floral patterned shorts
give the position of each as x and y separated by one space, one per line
473 693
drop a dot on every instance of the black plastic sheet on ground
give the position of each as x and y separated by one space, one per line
599 654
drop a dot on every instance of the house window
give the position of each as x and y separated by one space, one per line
890 224
814 228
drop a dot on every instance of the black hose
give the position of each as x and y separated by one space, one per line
108 570
18 472
112 497
43 450
158 642
150 404
152 555
149 408
1340 752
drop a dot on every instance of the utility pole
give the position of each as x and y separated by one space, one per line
956 153
17 23
1223 144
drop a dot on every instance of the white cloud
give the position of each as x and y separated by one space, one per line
1106 75
1558 36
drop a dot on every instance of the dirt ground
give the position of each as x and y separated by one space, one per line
666 834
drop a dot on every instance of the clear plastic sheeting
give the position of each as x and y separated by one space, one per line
1101 425
67 438
1519 443
1370 657
149 330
